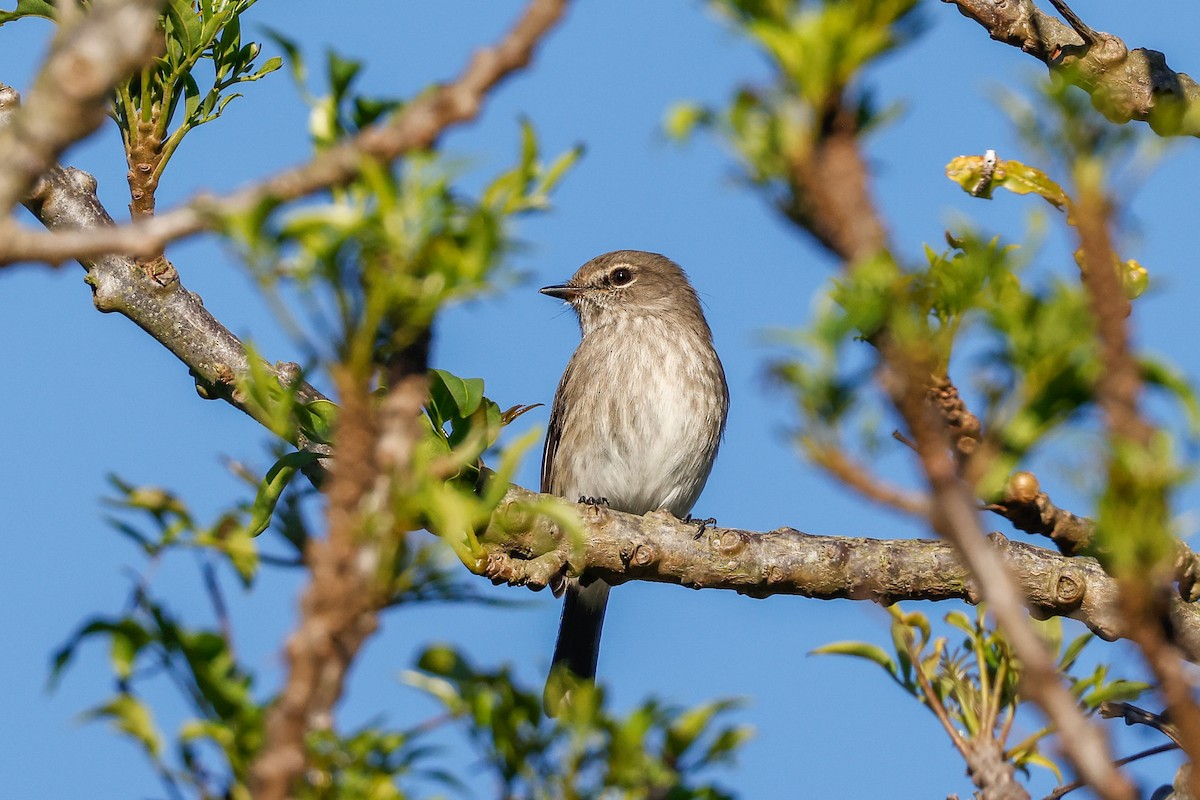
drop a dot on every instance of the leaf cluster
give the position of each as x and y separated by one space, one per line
974 685
588 752
147 104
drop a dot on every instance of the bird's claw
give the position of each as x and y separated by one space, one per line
703 524
593 501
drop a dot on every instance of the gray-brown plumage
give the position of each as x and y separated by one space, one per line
638 415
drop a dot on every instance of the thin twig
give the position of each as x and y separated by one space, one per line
838 463
1088 35
1067 788
935 704
212 587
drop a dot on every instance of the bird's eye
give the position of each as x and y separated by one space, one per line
621 276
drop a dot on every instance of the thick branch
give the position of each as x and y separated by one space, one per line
65 199
528 549
1124 84
417 127
90 54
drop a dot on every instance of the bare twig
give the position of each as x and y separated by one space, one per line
90 54
1088 35
1067 788
962 425
212 587
838 463
418 126
1133 715
1030 509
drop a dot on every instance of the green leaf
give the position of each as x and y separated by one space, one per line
961 621
1169 378
185 26
269 66
726 743
342 72
871 652
683 118
977 175
687 729
272 486
454 397
1121 690
1073 650
321 418
1036 759
130 716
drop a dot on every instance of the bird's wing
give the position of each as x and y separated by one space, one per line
554 433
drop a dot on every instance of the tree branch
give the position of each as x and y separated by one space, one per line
417 127
831 198
527 549
65 199
1124 84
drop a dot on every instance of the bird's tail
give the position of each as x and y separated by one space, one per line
578 645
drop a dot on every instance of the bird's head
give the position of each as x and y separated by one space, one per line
628 284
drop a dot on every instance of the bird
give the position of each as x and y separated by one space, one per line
637 418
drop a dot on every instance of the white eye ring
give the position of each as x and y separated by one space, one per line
621 276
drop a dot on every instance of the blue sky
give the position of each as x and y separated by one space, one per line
88 394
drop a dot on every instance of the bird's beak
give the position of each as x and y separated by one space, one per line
562 291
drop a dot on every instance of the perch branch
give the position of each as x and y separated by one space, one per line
527 549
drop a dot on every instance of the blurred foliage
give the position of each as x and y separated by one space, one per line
373 263
587 752
975 683
1029 340
818 51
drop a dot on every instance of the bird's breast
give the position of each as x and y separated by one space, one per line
644 420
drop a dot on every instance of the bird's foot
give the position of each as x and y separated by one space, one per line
594 501
702 523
